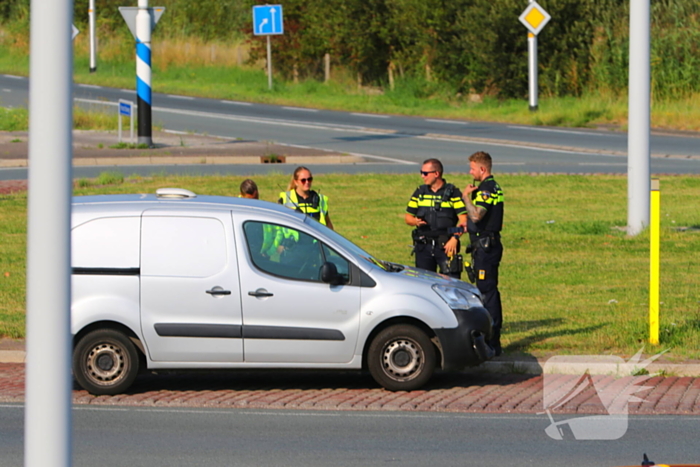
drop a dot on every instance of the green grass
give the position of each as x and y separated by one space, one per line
410 96
571 282
14 119
123 145
18 120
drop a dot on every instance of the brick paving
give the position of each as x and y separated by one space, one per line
326 390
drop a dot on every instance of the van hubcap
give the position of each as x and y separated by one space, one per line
402 359
105 363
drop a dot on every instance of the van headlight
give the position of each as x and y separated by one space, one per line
456 298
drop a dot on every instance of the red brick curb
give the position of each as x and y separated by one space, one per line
459 392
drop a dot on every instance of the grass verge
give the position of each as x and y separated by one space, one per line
571 282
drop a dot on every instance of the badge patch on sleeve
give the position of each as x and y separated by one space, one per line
482 274
485 195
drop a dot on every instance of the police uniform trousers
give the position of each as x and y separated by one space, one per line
485 262
429 255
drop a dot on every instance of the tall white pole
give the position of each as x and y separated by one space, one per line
638 153
532 68
47 419
93 37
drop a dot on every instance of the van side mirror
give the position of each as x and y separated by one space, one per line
329 274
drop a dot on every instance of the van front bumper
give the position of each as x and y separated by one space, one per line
467 344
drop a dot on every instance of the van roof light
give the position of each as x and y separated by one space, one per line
175 193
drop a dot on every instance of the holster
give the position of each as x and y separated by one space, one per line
452 266
483 243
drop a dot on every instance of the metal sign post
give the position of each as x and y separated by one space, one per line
267 21
48 381
93 37
638 149
126 108
141 22
654 257
534 18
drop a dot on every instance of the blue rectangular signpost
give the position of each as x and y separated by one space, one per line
126 108
267 21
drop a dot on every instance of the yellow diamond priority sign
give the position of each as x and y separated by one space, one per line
534 17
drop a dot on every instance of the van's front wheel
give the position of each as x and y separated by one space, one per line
401 358
105 362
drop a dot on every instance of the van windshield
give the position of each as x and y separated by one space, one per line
354 249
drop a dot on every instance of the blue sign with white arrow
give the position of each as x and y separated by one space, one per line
267 20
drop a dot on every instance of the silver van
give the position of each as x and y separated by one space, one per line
180 281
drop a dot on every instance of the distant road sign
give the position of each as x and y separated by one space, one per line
129 15
535 18
267 20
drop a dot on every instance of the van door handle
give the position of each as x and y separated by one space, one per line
218 291
261 293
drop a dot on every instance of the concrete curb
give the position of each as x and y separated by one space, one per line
536 367
12 356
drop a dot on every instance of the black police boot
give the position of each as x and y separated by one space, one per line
496 346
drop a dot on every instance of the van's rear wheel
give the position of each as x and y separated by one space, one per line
401 358
105 362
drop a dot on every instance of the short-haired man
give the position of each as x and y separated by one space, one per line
484 205
433 209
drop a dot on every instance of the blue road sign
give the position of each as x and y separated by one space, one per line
267 20
125 108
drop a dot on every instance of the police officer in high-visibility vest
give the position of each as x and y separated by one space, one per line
435 209
485 212
300 197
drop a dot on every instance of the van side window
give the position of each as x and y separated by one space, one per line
182 246
283 251
108 242
340 263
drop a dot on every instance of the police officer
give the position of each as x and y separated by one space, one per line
484 205
300 197
435 208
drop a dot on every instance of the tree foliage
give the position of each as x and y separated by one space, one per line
466 46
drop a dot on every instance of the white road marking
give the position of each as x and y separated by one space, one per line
570 132
187 98
236 103
369 115
383 158
91 86
451 122
7 90
14 77
300 109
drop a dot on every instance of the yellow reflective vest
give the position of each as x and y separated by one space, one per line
316 205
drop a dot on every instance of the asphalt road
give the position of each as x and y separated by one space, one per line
171 437
396 144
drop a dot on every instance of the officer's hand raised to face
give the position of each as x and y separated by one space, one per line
468 190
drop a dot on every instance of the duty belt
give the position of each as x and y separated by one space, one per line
492 235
